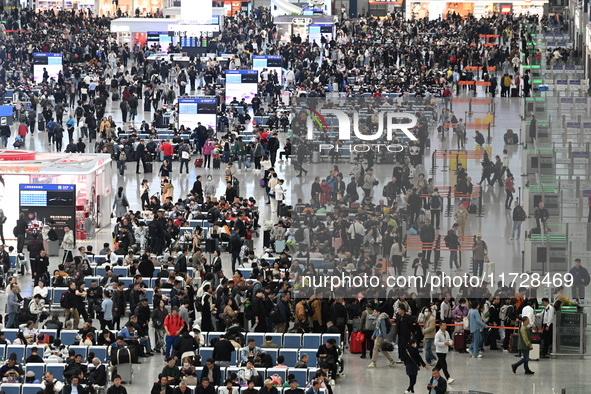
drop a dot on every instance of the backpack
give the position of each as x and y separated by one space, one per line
520 214
300 235
52 235
122 156
504 312
64 299
199 304
2 218
15 231
447 241
275 316
435 202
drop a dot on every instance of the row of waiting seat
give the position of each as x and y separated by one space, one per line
17 388
291 346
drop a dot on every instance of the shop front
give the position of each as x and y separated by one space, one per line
44 5
130 7
78 187
434 9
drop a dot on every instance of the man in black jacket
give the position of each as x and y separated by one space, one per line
259 311
140 155
403 326
453 244
273 147
437 383
427 235
222 352
197 189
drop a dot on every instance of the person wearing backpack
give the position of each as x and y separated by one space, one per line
519 217
379 336
435 202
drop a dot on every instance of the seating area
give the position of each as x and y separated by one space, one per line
17 388
290 346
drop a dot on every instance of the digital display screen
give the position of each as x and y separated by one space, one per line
270 62
319 30
50 62
194 111
241 84
159 38
41 203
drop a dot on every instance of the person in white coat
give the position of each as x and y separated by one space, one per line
279 196
442 344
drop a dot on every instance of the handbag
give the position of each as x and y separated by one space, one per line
387 347
466 323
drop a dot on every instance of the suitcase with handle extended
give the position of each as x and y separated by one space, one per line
149 168
459 342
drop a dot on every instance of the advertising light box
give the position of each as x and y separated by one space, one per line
194 111
50 62
241 84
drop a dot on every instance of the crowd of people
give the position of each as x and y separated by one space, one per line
351 233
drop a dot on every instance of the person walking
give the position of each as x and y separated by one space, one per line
442 344
68 244
461 217
452 242
367 324
509 189
427 236
477 325
435 203
120 203
429 330
519 217
140 155
479 253
524 345
185 154
379 336
414 362
397 251
19 232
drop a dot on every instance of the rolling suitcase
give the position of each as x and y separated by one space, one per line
199 162
41 125
459 342
534 353
125 371
216 163
514 92
149 168
356 341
